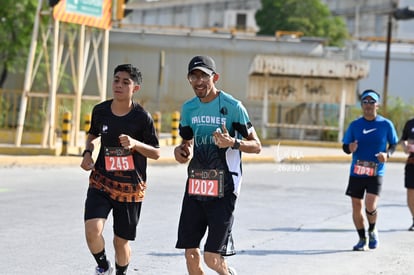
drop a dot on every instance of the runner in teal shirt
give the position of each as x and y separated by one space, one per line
215 129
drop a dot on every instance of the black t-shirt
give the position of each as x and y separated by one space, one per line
408 132
137 124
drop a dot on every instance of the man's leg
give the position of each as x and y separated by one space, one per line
216 262
410 203
371 211
193 259
358 218
122 254
93 233
357 214
96 242
371 201
410 200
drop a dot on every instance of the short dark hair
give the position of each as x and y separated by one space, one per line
134 72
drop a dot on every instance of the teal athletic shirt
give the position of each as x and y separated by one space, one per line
373 137
199 120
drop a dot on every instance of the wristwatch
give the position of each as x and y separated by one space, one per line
86 151
236 144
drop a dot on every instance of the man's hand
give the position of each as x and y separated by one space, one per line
182 152
353 146
408 148
222 137
87 162
382 156
127 142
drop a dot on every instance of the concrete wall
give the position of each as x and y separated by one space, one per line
401 68
233 59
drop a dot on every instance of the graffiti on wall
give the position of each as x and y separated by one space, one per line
282 91
318 89
299 89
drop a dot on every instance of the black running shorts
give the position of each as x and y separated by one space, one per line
409 175
125 215
216 215
358 185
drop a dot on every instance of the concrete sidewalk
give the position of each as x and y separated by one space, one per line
292 152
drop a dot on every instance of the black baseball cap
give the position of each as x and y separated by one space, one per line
203 63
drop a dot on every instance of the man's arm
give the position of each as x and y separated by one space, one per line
87 160
350 148
251 144
144 149
345 148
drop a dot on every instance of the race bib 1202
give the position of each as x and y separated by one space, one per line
206 182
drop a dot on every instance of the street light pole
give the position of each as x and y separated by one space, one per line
387 65
399 14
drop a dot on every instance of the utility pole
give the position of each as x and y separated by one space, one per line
386 69
398 14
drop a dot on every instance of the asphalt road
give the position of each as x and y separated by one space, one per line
291 218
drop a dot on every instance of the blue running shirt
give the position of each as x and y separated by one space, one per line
373 137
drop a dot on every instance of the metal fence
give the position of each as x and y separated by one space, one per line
306 121
37 109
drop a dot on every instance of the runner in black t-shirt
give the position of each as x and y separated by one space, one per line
118 177
407 141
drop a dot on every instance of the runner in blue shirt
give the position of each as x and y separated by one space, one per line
215 129
367 138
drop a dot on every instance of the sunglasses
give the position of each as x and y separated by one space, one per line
203 78
366 101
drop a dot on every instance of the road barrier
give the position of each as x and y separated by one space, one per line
175 121
87 123
66 127
157 122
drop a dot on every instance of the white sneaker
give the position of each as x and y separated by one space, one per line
232 271
100 271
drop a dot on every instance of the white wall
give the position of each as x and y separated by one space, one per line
401 70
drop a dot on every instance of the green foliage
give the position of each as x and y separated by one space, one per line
17 18
4 108
308 16
398 112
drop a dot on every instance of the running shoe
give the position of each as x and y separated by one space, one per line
101 271
411 228
373 239
232 271
361 245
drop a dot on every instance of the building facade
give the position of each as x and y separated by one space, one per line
367 22
222 15
161 37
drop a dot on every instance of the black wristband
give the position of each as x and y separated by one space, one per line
236 144
86 151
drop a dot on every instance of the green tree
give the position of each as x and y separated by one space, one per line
311 17
398 111
17 18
